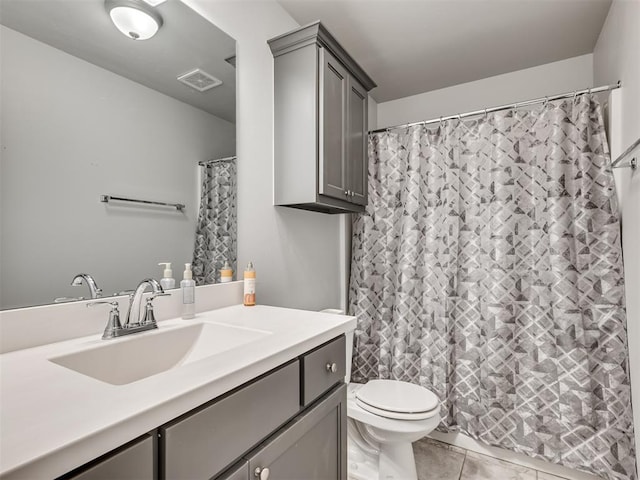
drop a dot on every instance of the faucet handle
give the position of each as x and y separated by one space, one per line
154 295
149 317
113 325
113 303
67 299
123 292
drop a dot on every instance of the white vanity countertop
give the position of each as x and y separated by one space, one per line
53 419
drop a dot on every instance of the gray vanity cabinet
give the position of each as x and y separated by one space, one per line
288 424
320 102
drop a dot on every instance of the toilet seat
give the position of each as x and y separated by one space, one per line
397 400
356 412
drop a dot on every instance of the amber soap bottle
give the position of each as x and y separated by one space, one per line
250 286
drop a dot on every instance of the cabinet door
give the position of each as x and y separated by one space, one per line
238 473
357 158
312 448
332 179
135 462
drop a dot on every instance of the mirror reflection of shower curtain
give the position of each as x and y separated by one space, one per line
217 226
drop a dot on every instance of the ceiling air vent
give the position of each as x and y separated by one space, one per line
199 80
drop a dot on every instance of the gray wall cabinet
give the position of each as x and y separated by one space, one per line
288 424
320 128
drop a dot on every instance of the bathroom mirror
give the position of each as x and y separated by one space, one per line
87 112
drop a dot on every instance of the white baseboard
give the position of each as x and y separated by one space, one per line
468 443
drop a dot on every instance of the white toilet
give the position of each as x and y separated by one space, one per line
384 417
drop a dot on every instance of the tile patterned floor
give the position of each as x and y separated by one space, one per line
440 461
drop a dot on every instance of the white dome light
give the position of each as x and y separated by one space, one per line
134 19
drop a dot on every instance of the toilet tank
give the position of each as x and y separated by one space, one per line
349 342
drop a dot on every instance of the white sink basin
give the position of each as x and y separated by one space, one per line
141 355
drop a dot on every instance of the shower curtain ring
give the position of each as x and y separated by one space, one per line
485 113
440 121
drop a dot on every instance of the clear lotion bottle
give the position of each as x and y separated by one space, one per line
188 287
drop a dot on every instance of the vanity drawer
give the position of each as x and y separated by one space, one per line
202 444
133 461
322 368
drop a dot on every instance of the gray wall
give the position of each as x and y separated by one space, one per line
297 254
77 133
616 57
552 78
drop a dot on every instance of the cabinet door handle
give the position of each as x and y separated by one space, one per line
261 473
332 367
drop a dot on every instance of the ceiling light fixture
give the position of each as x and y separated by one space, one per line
134 18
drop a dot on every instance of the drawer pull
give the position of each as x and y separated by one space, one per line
332 367
261 473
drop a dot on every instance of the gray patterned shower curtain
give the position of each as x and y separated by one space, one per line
487 267
216 230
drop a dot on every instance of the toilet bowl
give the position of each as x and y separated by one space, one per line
384 417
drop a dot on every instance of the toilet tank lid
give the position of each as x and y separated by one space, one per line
397 396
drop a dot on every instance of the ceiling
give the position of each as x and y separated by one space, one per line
185 42
415 46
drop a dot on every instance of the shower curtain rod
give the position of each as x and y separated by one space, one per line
204 163
484 111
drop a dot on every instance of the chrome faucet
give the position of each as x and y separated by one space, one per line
133 323
91 283
135 300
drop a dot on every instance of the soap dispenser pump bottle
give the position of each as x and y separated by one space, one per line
226 273
188 286
167 282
